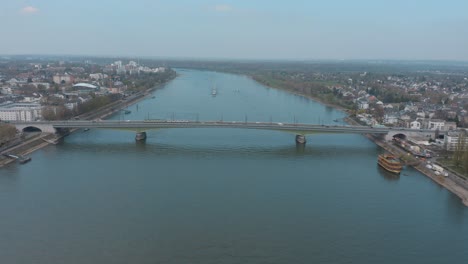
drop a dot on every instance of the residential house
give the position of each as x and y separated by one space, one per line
363 104
415 125
63 78
435 124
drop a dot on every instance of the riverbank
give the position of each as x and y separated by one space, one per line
26 147
450 183
44 139
308 96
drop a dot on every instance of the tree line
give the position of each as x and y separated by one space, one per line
7 132
60 112
460 155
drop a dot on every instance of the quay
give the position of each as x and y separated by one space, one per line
453 183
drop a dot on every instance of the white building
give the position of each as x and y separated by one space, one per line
65 78
118 64
36 84
411 108
98 76
390 118
71 106
435 124
451 140
363 104
14 82
20 111
415 125
6 90
85 86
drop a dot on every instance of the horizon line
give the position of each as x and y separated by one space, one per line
195 58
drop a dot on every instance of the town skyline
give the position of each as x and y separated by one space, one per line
260 30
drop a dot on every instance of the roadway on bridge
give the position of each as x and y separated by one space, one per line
142 125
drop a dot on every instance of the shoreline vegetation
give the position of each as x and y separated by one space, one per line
311 90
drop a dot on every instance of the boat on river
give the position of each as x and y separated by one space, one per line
23 160
300 139
390 163
214 91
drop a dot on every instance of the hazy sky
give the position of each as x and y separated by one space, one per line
242 29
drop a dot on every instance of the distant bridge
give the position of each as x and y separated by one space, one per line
140 126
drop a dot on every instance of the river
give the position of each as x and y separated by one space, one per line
223 195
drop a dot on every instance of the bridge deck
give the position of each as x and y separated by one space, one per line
141 125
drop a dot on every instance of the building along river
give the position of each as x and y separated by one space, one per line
223 195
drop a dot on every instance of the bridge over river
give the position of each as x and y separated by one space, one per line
141 126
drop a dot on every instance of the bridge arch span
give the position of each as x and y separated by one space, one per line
405 134
31 129
35 127
400 136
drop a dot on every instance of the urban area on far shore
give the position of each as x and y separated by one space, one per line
63 90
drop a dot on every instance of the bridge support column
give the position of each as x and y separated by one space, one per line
301 139
62 131
140 136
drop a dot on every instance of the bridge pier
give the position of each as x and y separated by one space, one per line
140 136
301 139
62 131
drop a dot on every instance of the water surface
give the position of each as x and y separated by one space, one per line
223 195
